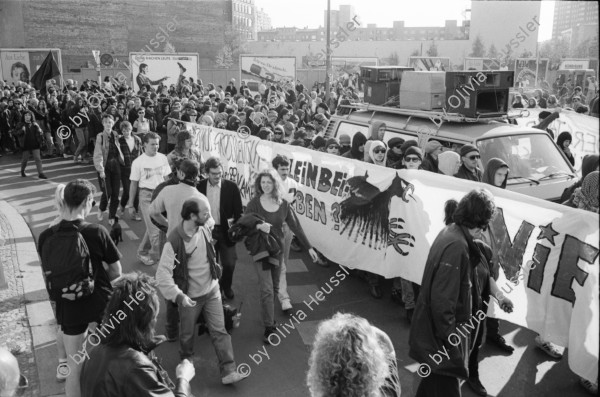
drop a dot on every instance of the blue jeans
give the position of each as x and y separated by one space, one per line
269 287
212 308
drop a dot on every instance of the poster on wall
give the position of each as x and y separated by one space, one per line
258 70
155 68
20 64
429 63
526 68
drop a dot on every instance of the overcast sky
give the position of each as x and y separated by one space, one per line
309 13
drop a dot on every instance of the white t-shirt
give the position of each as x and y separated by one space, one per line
150 171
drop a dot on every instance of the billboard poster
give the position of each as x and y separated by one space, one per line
258 70
525 71
153 68
429 63
20 64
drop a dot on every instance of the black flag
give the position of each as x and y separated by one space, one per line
48 69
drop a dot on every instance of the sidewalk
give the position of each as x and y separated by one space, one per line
27 324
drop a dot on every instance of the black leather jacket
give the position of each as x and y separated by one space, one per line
124 371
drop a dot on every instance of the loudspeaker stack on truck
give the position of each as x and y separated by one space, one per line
472 94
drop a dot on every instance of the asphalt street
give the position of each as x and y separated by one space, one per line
281 370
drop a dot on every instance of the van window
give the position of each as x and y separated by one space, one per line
351 129
528 156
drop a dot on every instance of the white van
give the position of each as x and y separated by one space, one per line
537 167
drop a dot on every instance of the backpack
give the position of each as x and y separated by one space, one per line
66 264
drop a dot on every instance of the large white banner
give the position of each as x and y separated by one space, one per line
153 68
384 221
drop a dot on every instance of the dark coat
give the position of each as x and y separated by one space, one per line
464 173
124 371
445 302
30 133
230 204
430 164
261 246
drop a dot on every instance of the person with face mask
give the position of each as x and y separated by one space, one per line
188 274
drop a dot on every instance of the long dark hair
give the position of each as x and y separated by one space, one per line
130 314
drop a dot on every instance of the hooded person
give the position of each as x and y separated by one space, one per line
432 150
394 154
377 131
448 162
234 123
355 152
377 153
586 196
563 141
496 173
588 164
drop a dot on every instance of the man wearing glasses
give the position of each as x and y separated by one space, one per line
469 157
226 208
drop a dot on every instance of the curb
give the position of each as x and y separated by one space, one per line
40 315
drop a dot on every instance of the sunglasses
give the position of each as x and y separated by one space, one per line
379 151
334 147
474 157
412 159
278 132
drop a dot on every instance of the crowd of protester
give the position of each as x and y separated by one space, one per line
124 134
565 95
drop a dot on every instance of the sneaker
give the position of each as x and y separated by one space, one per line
42 176
590 387
62 371
232 378
136 217
146 260
100 215
548 347
23 174
475 385
120 211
